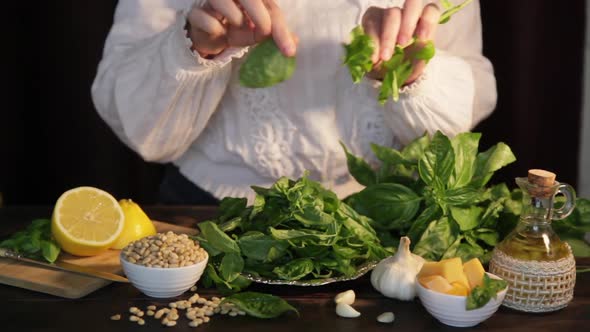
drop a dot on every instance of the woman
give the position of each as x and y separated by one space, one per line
167 85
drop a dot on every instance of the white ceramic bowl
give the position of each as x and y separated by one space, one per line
163 282
450 309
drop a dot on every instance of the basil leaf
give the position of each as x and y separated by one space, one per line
312 236
231 266
230 207
313 216
490 161
40 224
358 54
469 250
389 155
230 224
481 295
580 248
266 66
477 298
466 218
465 147
488 236
260 305
462 196
359 169
262 247
387 203
9 244
438 162
450 11
217 239
577 223
446 4
49 250
431 213
295 269
426 52
451 251
389 87
437 238
415 149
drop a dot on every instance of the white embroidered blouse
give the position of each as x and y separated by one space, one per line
170 105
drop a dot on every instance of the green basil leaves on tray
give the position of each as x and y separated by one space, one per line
295 230
260 305
34 242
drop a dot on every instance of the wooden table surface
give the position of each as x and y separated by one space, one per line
22 310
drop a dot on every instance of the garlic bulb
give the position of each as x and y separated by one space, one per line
395 276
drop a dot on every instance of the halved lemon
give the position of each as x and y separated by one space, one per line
86 221
137 224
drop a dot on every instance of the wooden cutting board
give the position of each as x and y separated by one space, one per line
67 284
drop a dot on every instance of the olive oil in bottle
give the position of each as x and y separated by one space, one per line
539 268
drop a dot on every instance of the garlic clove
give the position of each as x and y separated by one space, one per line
386 317
347 297
346 311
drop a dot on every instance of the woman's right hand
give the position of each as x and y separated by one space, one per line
220 24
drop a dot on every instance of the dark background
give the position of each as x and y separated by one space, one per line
51 138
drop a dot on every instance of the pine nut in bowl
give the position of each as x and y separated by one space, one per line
451 309
164 265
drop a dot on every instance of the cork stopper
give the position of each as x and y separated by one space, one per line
543 180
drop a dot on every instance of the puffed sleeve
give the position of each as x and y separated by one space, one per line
153 91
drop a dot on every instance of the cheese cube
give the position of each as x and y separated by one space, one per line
458 289
430 269
438 284
425 280
452 270
474 272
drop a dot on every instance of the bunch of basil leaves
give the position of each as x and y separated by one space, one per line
398 69
34 242
434 191
294 230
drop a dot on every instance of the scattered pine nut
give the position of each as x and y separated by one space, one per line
193 289
151 307
133 318
116 317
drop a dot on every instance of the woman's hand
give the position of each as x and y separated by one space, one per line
395 26
220 24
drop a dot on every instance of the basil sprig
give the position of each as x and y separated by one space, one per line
34 242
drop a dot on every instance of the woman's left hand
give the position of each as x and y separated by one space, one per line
395 26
